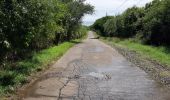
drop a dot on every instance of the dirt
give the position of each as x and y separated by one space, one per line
93 70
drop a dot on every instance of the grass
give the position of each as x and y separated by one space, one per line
159 54
12 77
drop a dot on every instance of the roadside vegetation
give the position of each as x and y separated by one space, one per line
14 75
35 32
160 54
145 30
151 59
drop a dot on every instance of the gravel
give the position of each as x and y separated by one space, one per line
159 72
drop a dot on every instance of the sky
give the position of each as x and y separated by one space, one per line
110 7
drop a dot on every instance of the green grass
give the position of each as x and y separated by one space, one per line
16 75
160 54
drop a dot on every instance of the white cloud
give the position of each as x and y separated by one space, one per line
111 7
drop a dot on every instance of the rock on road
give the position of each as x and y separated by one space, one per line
93 70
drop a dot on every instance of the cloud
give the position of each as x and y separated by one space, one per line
111 7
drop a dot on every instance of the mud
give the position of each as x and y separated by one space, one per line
93 70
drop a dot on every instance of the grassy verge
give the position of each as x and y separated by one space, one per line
159 54
13 76
153 60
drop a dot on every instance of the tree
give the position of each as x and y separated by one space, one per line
157 23
110 27
150 23
131 21
99 25
32 25
77 10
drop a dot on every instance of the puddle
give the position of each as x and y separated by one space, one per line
96 75
100 76
95 50
99 49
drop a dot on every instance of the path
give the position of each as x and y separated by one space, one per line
93 70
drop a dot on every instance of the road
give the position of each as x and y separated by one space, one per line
93 70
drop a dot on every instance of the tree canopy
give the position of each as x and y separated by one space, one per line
28 25
151 23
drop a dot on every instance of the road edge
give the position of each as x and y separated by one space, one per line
153 68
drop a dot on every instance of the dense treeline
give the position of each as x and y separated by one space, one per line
31 25
150 24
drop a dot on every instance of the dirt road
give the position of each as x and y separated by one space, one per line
93 70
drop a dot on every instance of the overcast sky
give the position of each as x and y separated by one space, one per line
110 7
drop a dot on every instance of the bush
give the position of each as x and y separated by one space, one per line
157 22
151 23
31 25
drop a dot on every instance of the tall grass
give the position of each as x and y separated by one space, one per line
16 74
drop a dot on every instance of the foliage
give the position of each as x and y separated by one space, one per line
76 9
125 25
13 75
150 24
28 28
160 54
157 22
98 25
31 25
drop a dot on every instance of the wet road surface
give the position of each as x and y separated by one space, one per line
93 70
